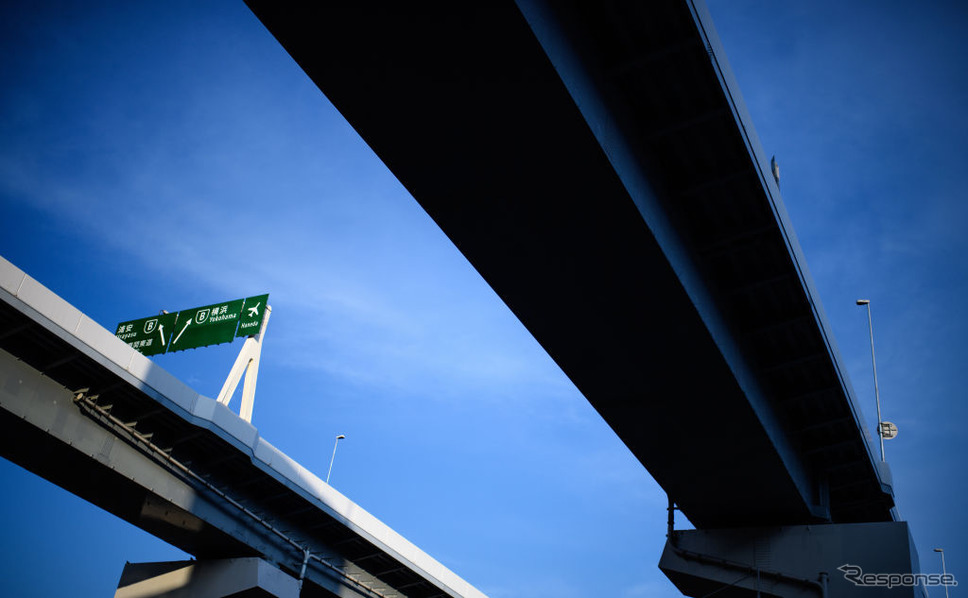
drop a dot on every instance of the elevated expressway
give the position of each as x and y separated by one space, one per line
92 415
595 162
596 166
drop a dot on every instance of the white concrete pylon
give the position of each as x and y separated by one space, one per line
247 362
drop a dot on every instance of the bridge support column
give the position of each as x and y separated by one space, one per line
868 560
206 579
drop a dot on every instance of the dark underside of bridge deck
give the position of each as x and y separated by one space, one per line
678 308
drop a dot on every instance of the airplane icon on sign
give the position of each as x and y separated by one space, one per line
254 310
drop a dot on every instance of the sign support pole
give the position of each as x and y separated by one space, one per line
247 362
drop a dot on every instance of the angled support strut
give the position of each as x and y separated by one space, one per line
247 362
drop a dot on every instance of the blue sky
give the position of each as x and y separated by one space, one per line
172 155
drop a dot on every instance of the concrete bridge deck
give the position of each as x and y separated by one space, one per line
84 410
595 163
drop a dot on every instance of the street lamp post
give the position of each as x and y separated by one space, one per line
877 396
944 572
333 458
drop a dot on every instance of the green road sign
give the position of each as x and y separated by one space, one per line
208 325
148 335
253 312
197 327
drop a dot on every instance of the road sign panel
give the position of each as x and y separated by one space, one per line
208 325
253 312
149 335
196 327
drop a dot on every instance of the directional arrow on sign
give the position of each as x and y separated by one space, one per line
182 332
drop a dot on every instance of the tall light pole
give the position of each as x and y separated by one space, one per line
333 458
877 396
944 572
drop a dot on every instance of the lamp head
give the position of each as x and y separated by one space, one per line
340 437
939 549
863 301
